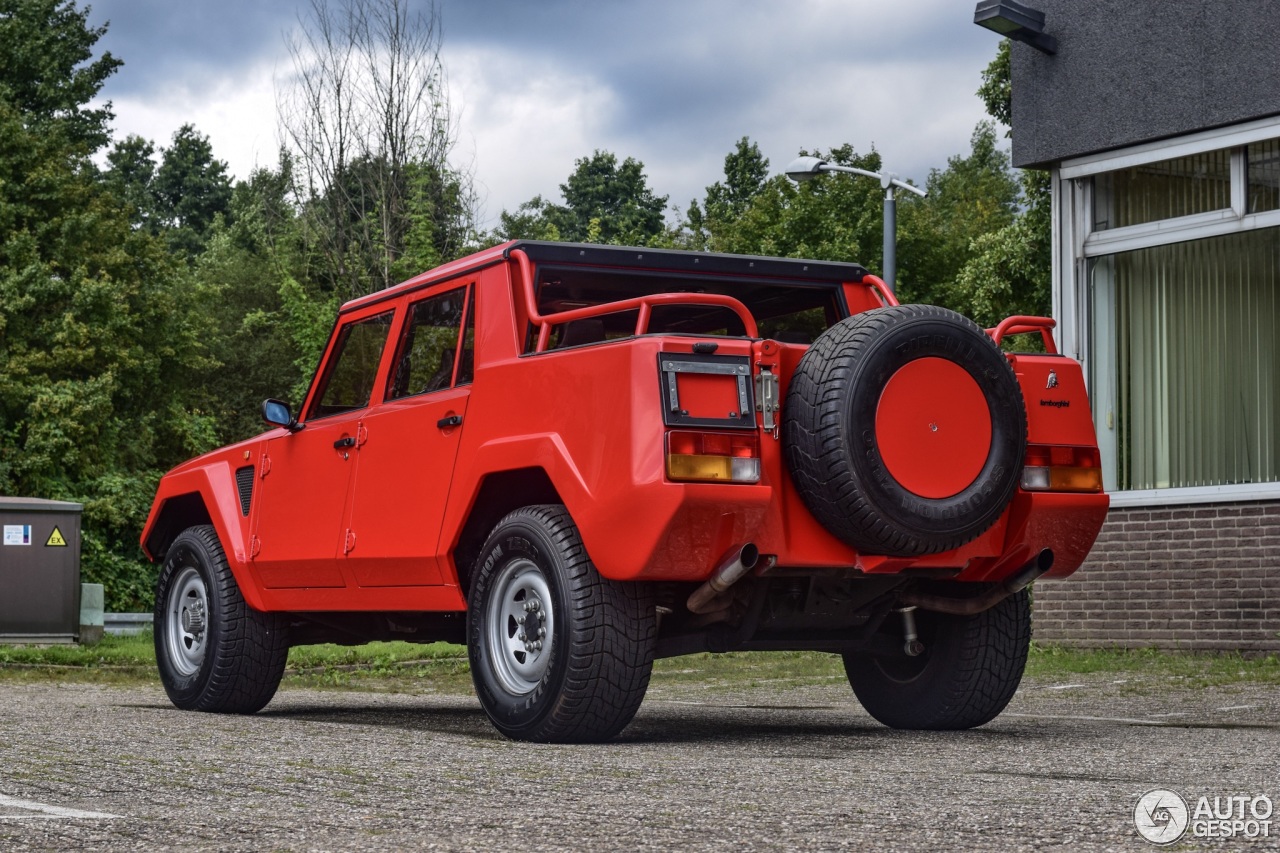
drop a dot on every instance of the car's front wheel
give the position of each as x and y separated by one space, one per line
214 652
558 653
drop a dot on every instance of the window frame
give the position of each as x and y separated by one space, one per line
1075 244
333 353
468 288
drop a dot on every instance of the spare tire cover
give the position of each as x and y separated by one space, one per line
905 430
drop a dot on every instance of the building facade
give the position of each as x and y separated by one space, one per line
1160 125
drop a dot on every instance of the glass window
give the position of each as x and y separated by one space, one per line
1163 190
1186 361
353 368
1264 176
428 348
790 312
467 362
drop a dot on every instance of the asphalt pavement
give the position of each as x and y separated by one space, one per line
769 766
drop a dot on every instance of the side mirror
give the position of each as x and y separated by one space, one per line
276 413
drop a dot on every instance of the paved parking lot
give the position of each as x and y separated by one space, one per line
770 767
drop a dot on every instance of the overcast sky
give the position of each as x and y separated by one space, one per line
537 84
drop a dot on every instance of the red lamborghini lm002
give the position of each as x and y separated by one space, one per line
577 458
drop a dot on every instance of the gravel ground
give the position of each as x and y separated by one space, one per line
769 767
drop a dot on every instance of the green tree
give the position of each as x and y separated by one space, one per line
1010 271
832 217
745 173
996 90
191 189
130 173
95 351
49 74
604 202
368 121
97 345
974 195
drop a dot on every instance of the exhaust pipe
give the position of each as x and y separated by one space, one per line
1038 565
732 568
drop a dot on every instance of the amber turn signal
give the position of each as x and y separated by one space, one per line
713 457
1042 478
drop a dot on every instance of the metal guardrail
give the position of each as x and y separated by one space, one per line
126 624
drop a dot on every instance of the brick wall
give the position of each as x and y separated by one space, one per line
1187 577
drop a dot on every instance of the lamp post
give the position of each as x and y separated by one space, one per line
805 168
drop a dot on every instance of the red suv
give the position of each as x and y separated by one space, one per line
577 458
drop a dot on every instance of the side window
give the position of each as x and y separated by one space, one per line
467 363
428 350
348 382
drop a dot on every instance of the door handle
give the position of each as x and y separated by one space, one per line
451 421
344 443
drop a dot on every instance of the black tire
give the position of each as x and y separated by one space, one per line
970 668
589 676
215 653
842 458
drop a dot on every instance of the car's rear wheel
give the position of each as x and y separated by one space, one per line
214 652
558 653
967 674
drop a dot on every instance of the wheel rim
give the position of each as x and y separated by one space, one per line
186 628
521 626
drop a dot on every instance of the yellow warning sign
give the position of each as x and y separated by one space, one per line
56 539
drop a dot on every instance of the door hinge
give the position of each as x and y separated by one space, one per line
264 466
767 397
255 545
362 434
349 543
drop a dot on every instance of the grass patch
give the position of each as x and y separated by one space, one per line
1195 669
384 667
739 670
115 660
442 667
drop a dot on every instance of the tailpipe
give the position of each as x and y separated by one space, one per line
1011 585
733 567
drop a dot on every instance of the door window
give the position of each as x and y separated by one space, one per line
348 383
429 356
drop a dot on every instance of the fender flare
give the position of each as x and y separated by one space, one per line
214 485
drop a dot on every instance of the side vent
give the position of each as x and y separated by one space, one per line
244 482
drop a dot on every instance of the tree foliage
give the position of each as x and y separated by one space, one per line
47 77
95 347
604 202
1010 271
370 127
996 90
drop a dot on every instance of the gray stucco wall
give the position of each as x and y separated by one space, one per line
1130 72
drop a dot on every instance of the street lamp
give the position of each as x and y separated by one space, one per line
1013 20
806 168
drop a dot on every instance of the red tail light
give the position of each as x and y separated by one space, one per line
1062 469
713 457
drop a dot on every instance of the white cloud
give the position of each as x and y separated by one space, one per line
237 112
520 129
673 83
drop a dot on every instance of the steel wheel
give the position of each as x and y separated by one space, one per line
214 652
186 628
521 626
558 653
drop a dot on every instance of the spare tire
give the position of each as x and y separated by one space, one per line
905 430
